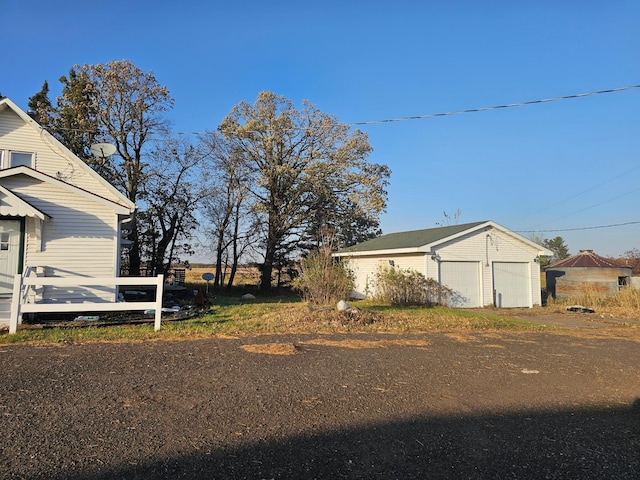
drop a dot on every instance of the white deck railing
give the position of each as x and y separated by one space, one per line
22 285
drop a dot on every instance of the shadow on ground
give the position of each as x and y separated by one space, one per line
587 444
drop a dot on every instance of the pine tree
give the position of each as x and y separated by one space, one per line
41 108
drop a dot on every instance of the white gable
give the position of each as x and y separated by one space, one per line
20 133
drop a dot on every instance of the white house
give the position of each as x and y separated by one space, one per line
58 217
483 262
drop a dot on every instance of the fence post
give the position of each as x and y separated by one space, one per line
160 285
15 304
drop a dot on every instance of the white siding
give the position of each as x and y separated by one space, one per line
78 240
488 246
482 248
365 269
49 158
81 237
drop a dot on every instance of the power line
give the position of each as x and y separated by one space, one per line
592 206
579 228
580 193
496 107
433 115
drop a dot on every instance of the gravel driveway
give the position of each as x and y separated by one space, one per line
437 405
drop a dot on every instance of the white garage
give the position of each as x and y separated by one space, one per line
482 262
464 278
511 284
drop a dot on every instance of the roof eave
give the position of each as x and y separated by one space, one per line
23 170
387 251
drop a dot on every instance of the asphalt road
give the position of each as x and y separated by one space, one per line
438 405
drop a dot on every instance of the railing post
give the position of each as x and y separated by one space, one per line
160 285
14 319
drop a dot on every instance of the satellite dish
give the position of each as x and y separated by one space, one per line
103 150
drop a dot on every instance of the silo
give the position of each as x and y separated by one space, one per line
571 276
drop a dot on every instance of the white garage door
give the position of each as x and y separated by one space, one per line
512 284
464 279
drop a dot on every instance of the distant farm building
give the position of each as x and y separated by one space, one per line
586 270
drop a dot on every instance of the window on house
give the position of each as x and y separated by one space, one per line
4 241
21 158
10 159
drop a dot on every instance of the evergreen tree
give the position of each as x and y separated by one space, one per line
558 247
76 124
41 108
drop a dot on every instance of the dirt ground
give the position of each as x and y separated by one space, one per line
459 404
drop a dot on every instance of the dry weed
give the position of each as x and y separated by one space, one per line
362 344
624 304
271 348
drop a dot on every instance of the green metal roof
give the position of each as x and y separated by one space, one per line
412 239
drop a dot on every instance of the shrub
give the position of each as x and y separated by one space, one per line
409 287
323 280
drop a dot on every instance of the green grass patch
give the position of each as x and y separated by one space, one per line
273 315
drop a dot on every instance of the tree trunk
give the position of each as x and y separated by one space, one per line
265 276
267 267
217 282
235 254
232 274
134 250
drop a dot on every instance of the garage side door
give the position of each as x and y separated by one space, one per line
464 279
512 284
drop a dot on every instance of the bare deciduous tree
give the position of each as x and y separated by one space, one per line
176 184
232 227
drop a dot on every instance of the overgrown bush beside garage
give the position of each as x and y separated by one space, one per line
399 286
323 280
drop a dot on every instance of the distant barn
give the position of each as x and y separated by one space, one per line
570 277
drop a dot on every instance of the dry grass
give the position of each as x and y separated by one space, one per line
244 275
363 344
231 316
625 304
271 348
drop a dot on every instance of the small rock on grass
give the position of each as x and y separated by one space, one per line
342 306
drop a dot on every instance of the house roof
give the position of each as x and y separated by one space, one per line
30 172
13 206
586 258
411 239
5 102
424 240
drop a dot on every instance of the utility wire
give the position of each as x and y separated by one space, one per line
580 193
433 115
579 228
592 206
496 107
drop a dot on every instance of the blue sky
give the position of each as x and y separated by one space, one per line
555 168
